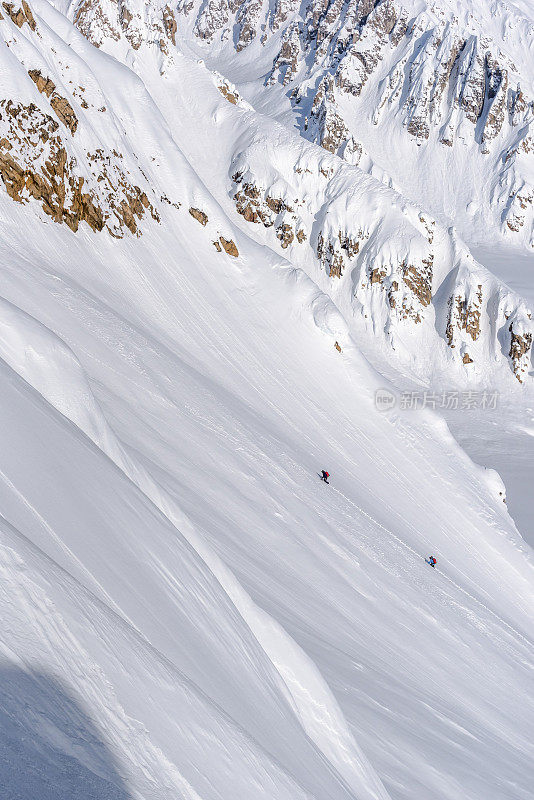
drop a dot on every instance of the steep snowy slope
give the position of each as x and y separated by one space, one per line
187 611
236 444
435 96
403 283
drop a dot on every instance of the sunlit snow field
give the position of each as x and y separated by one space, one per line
187 610
224 434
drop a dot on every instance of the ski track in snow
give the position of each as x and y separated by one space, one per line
445 576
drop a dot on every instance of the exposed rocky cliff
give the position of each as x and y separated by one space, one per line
385 263
393 271
44 156
435 75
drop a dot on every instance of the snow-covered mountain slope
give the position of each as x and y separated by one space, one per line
403 284
187 610
435 96
341 570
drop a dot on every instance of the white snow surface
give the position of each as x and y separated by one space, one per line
187 611
480 180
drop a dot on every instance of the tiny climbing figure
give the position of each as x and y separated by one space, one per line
432 561
325 475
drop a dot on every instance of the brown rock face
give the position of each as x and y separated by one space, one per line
44 85
256 205
12 175
249 214
331 131
199 215
83 209
418 127
65 112
62 108
519 348
335 252
230 96
286 62
334 133
377 275
34 164
29 16
467 359
419 280
21 15
285 233
91 20
276 204
464 315
50 189
169 23
246 35
229 246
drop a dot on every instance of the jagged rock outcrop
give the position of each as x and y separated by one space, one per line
390 269
464 315
288 60
170 24
406 282
64 112
325 123
44 85
479 311
220 244
259 205
152 24
21 15
229 91
61 106
95 24
38 163
437 75
387 265
520 352
55 185
199 215
336 252
520 207
229 246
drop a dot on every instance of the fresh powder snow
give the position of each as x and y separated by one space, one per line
217 280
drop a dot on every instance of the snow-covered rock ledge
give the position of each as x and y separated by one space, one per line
390 268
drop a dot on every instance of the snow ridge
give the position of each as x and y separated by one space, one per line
395 274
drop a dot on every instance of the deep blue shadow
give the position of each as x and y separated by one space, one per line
49 748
